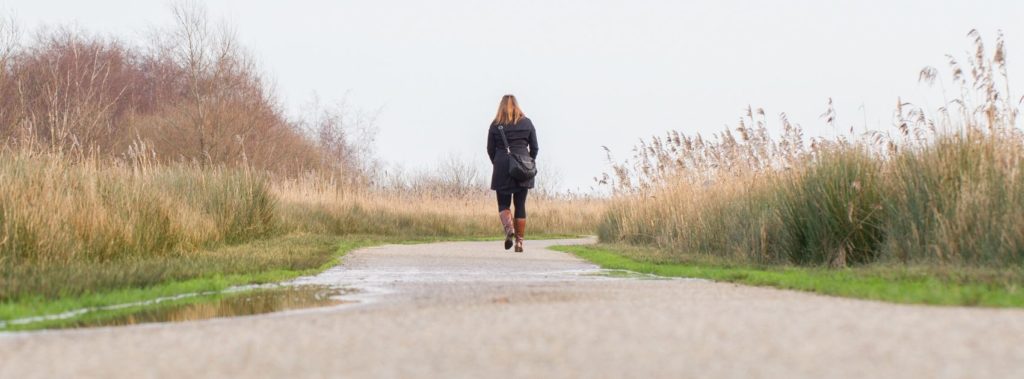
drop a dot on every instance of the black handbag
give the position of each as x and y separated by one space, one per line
521 167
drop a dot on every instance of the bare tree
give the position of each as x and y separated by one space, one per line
345 139
10 36
216 71
458 176
549 179
192 41
68 86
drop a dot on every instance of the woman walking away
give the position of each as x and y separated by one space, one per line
511 141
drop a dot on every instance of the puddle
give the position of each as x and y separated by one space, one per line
209 305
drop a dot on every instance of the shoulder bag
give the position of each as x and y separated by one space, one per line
521 167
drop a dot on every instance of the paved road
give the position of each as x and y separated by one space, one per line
472 310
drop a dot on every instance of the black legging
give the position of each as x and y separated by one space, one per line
505 199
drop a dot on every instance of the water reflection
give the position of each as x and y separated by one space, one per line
240 304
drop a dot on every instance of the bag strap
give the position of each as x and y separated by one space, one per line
508 149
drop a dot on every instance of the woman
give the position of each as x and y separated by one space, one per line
522 138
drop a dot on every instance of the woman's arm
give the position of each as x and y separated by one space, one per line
490 146
533 143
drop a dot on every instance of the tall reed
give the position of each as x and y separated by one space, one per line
938 190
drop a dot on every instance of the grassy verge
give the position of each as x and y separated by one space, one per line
892 284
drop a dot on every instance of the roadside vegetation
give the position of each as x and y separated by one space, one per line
891 283
941 192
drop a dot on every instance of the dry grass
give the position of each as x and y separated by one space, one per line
53 211
318 206
942 190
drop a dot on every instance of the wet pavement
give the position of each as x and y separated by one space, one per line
470 309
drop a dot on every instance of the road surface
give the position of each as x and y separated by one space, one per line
472 310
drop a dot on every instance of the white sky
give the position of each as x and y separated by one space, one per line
589 73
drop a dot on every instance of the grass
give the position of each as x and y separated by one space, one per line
292 253
883 283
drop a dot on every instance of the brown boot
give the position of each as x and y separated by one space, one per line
520 230
506 222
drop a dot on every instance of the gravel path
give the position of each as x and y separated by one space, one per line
472 310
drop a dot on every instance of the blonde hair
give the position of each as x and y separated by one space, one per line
509 112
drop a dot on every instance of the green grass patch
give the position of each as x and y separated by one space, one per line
876 282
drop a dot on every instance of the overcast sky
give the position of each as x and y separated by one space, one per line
589 73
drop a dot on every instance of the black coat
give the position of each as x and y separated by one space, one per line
522 138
